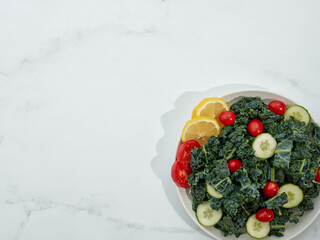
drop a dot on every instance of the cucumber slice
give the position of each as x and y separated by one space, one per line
264 145
213 192
299 113
257 229
294 194
208 216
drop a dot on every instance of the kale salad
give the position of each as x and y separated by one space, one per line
285 154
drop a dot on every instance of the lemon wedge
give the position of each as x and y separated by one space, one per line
200 129
210 107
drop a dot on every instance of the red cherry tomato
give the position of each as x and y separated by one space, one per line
180 175
184 153
265 215
317 179
234 165
271 189
255 127
277 107
227 117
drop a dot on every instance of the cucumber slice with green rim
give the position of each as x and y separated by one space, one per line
299 113
213 192
294 194
257 229
264 145
207 216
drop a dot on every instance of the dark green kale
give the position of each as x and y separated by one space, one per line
281 217
198 193
282 155
277 230
302 151
246 109
249 191
277 201
294 130
215 203
245 150
312 192
200 157
257 172
194 178
304 165
228 227
237 137
227 151
298 129
291 129
279 176
231 204
269 119
213 147
240 218
223 186
306 205
302 172
260 173
315 132
223 136
250 207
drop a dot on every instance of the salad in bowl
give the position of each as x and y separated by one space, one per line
249 168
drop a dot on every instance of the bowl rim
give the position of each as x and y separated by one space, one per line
178 189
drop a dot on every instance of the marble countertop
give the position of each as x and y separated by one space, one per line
89 104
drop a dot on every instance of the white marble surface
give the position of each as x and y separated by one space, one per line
90 93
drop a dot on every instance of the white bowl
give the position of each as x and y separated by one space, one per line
292 230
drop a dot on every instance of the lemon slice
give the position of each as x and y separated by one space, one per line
200 129
211 107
